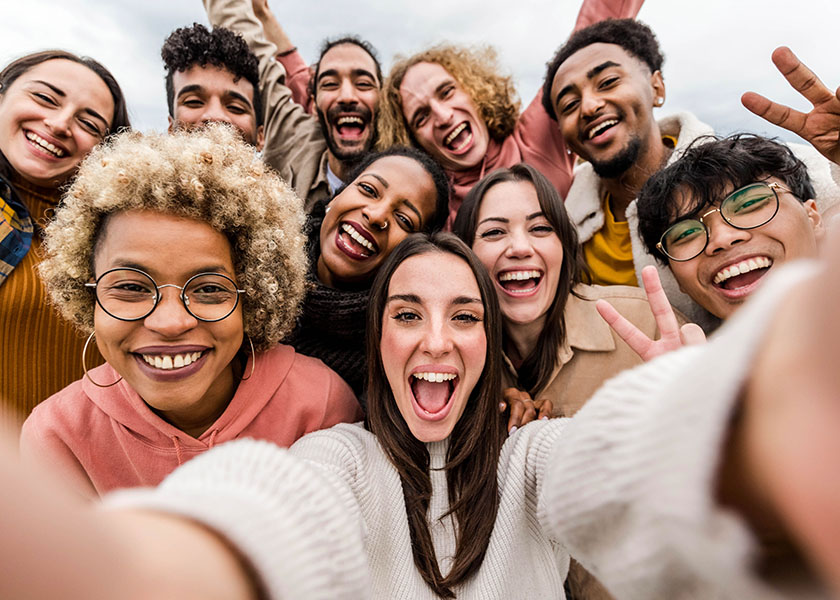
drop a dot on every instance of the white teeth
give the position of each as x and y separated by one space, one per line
357 236
454 133
168 362
519 275
601 127
346 120
759 262
32 137
435 377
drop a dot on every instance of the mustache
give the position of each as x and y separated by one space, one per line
582 135
359 110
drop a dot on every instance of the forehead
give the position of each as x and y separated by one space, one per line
577 69
78 82
212 80
509 199
436 277
421 81
346 58
407 179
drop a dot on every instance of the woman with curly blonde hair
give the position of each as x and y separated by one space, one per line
452 102
192 366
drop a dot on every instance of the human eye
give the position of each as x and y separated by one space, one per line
405 316
568 105
447 91
91 127
420 119
542 229
192 102
367 189
365 84
492 233
210 290
608 82
467 318
405 222
747 201
126 289
328 84
45 98
237 109
683 232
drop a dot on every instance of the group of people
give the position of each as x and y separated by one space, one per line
419 317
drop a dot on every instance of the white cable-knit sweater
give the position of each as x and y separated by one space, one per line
626 487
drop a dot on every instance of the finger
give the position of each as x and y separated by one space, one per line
632 336
800 77
778 114
515 420
663 313
530 412
692 334
545 409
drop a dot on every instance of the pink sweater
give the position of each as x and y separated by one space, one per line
107 438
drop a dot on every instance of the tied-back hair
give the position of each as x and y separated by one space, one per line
538 366
475 441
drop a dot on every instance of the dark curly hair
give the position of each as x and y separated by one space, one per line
633 36
196 45
429 165
710 168
351 40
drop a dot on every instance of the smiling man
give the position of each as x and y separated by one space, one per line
211 76
727 213
314 153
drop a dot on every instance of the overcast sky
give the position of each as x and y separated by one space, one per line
714 49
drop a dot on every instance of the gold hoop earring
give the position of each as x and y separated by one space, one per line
84 364
253 359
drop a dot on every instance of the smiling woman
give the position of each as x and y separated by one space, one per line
183 255
54 108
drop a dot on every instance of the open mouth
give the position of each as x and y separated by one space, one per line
743 274
350 127
520 283
354 241
168 362
600 129
43 144
433 393
459 139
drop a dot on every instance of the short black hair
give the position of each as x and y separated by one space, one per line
196 45
711 167
352 40
633 36
428 164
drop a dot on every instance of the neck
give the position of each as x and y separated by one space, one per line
624 188
339 167
522 338
196 419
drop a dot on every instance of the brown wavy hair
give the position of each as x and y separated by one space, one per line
475 69
474 444
208 174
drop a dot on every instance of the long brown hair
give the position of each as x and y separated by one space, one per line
539 364
474 444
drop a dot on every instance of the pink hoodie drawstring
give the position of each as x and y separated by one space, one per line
177 445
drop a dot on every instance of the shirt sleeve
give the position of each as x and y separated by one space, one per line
298 77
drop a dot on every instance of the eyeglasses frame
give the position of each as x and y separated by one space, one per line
774 187
183 296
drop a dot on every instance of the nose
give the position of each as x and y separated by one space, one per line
59 122
591 103
519 244
346 91
441 113
437 341
721 234
214 112
377 214
170 317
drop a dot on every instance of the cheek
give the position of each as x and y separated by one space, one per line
110 333
486 255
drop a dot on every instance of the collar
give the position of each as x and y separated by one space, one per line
333 180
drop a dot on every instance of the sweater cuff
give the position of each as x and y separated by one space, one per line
280 514
292 61
631 490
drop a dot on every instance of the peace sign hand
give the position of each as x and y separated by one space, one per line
672 336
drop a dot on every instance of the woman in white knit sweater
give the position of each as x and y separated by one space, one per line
640 485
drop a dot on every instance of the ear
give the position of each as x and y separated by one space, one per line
657 84
171 127
260 138
816 218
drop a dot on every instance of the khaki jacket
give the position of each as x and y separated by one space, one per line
593 352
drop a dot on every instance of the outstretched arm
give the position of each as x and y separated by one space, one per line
820 126
272 29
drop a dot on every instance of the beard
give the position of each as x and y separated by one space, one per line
621 162
343 153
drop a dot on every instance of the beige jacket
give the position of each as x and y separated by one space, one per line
294 143
593 352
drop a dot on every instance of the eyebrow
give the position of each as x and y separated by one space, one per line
196 87
440 86
60 92
354 73
217 268
415 299
405 201
506 220
594 71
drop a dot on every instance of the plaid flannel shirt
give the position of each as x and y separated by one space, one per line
16 230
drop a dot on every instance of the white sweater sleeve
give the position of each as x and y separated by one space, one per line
288 518
630 489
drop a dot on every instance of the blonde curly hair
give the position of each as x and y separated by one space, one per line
208 175
475 69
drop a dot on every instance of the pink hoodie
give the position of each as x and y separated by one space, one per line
108 438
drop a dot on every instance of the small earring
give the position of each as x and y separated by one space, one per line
659 101
253 359
84 364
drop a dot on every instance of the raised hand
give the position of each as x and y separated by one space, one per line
672 336
821 126
523 409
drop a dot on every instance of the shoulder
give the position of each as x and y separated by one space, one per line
630 301
70 403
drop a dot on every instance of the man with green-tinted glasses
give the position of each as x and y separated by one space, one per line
725 214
